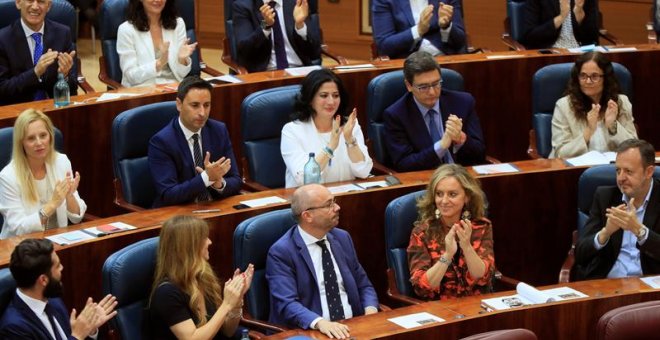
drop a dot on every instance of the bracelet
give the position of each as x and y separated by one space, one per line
352 143
444 260
235 315
612 129
329 151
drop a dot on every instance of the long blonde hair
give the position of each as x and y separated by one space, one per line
476 197
180 262
19 157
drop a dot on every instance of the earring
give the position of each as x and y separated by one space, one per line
437 213
466 215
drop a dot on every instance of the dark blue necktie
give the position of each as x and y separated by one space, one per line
51 318
335 307
436 135
278 39
199 161
38 51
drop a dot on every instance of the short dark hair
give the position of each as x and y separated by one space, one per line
646 150
30 259
310 86
136 15
417 63
192 82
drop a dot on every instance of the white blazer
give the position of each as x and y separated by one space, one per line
300 138
137 56
22 217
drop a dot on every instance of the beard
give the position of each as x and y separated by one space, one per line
53 289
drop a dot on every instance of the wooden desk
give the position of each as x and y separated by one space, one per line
502 88
527 209
572 319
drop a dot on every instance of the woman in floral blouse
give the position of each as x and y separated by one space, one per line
450 253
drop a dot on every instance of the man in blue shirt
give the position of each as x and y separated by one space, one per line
621 237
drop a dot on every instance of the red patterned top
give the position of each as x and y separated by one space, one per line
427 244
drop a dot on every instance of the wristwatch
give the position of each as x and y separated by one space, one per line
641 233
442 259
265 26
43 217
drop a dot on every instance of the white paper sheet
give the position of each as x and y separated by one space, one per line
301 71
528 295
416 320
259 202
592 158
117 226
225 78
344 188
71 237
490 169
374 184
110 96
653 281
354 67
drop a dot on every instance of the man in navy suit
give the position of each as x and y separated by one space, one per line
261 27
36 311
402 27
430 126
191 159
622 235
22 78
313 272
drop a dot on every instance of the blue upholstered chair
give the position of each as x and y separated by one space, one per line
548 85
263 115
131 132
61 12
382 92
252 240
6 145
128 275
400 215
7 288
113 14
590 180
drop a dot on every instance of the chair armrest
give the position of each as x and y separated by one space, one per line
226 58
254 186
325 50
492 160
379 169
105 78
567 267
248 322
512 44
208 69
651 36
609 37
384 308
505 281
532 151
119 198
90 217
80 78
393 291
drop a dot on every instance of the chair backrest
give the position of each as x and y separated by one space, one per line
229 28
252 240
113 14
382 92
263 115
7 288
128 275
131 132
400 214
590 180
548 85
7 143
504 334
516 17
61 11
633 322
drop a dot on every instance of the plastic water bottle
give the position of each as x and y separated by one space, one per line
61 91
312 170
245 335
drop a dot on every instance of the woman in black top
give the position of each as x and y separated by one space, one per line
185 299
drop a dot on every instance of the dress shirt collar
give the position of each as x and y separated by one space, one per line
308 238
37 306
187 133
424 110
28 31
642 207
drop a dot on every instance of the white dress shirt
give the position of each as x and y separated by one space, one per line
291 56
417 6
188 134
38 307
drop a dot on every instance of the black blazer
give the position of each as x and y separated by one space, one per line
596 264
18 82
254 49
20 322
539 29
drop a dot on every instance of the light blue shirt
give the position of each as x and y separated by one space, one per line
438 122
628 263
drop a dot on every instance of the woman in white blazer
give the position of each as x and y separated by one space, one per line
323 125
594 115
38 190
152 44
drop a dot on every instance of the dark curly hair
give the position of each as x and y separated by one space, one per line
310 86
136 15
581 103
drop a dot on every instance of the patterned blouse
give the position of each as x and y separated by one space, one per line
427 244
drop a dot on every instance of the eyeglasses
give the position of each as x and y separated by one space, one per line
427 87
41 3
595 77
329 205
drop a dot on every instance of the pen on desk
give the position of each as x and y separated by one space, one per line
205 211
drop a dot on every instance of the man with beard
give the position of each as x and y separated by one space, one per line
36 311
622 235
316 251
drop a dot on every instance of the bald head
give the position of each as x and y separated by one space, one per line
303 197
315 209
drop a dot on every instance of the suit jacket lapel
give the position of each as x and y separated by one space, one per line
404 6
339 254
184 150
653 209
417 122
304 253
289 24
29 315
22 48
